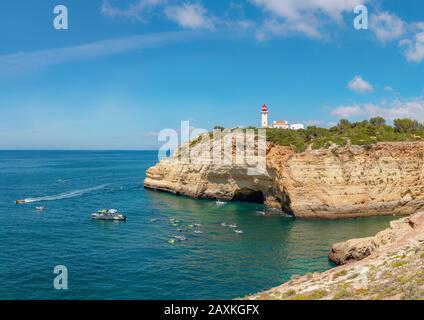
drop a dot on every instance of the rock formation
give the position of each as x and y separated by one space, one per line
339 182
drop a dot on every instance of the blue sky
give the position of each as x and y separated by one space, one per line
126 69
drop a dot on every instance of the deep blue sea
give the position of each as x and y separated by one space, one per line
133 259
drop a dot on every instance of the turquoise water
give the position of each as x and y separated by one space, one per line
133 259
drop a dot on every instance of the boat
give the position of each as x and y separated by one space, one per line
20 201
238 231
223 224
109 214
180 238
198 231
232 225
40 208
220 203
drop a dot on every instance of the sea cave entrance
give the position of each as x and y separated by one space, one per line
248 195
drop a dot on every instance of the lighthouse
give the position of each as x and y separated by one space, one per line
264 116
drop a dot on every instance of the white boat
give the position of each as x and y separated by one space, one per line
220 203
232 225
109 214
40 208
238 231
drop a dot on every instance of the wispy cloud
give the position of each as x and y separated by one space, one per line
136 10
387 26
414 47
412 108
27 61
307 17
192 16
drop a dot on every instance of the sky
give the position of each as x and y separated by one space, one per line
126 69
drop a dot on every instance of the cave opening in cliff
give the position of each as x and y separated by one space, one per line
248 195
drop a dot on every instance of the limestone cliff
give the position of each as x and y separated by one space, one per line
382 179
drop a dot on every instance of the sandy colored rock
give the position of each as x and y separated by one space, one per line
341 182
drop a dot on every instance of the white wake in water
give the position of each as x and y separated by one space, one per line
66 195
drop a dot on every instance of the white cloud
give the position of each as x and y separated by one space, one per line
413 109
414 48
360 85
275 27
191 16
387 26
21 62
134 10
347 111
303 16
296 9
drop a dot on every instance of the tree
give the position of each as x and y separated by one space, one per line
378 121
406 125
344 125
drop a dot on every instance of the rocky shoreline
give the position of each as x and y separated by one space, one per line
388 266
340 182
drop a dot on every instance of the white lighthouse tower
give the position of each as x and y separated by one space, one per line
264 116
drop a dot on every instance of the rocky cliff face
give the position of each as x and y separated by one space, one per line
389 265
382 179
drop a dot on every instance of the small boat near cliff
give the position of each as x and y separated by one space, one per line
220 203
109 214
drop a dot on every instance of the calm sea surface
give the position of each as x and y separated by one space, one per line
133 259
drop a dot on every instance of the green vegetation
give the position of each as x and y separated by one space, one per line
342 294
289 293
357 133
340 274
360 133
398 264
314 295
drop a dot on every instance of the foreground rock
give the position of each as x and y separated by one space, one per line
341 182
394 269
358 249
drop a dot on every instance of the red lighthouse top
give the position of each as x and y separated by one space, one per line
264 108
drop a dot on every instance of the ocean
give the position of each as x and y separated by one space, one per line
134 259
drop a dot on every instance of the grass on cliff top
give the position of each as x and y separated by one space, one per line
360 133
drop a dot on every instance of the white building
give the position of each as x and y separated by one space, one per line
297 126
279 124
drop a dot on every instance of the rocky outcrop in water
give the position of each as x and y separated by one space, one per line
389 265
358 249
340 182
